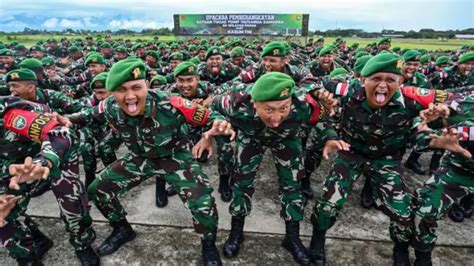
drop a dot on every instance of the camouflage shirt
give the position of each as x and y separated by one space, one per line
227 72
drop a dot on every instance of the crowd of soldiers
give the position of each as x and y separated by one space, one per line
170 102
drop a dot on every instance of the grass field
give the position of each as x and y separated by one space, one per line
429 44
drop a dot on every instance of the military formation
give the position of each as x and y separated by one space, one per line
173 104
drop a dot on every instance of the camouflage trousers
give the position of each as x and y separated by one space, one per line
225 155
106 147
287 156
313 149
180 171
18 235
388 189
446 187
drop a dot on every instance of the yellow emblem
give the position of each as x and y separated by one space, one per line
98 84
284 92
14 76
94 60
214 51
136 73
399 64
276 52
190 69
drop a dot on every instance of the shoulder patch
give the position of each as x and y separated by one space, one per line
316 110
422 96
194 114
32 125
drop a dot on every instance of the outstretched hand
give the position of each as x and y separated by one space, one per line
449 140
25 172
220 127
333 146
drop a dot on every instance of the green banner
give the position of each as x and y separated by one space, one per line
239 24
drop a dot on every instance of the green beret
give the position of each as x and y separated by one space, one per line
47 61
73 49
356 44
176 56
202 47
361 53
273 86
20 47
203 42
192 47
466 58
162 46
384 40
185 68
21 74
123 71
274 49
442 60
31 63
136 46
213 50
154 54
320 39
360 63
339 40
325 50
425 58
2 46
237 51
94 58
158 80
396 49
121 49
105 45
36 48
338 71
99 81
6 52
411 55
51 40
174 46
89 48
386 62
195 60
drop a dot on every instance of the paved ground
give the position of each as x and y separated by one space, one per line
165 235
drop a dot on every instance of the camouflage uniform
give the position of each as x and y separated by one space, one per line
377 138
20 232
453 181
298 74
451 78
252 138
228 72
158 146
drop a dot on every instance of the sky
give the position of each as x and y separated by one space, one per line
368 15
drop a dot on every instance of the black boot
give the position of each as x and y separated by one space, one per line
292 243
435 161
170 191
224 188
401 256
29 261
466 204
316 248
42 242
88 257
413 164
161 196
40 188
236 237
423 258
210 255
90 177
121 234
456 213
366 198
307 191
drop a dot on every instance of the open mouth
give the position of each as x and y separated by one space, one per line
381 96
132 106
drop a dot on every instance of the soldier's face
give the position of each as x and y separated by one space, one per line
202 53
120 56
326 61
273 63
384 46
214 64
150 60
37 54
7 61
466 68
131 96
174 63
273 113
22 89
106 51
238 60
380 87
409 68
101 94
140 52
96 69
187 85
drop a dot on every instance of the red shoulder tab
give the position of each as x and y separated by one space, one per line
342 89
28 124
315 115
194 114
420 95
248 76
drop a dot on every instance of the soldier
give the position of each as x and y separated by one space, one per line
325 63
269 116
214 69
37 52
150 125
384 44
375 125
459 75
239 59
53 149
7 59
450 183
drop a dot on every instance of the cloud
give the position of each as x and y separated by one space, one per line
136 24
50 23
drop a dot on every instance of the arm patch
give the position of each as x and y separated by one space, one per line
195 114
316 110
28 124
422 96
